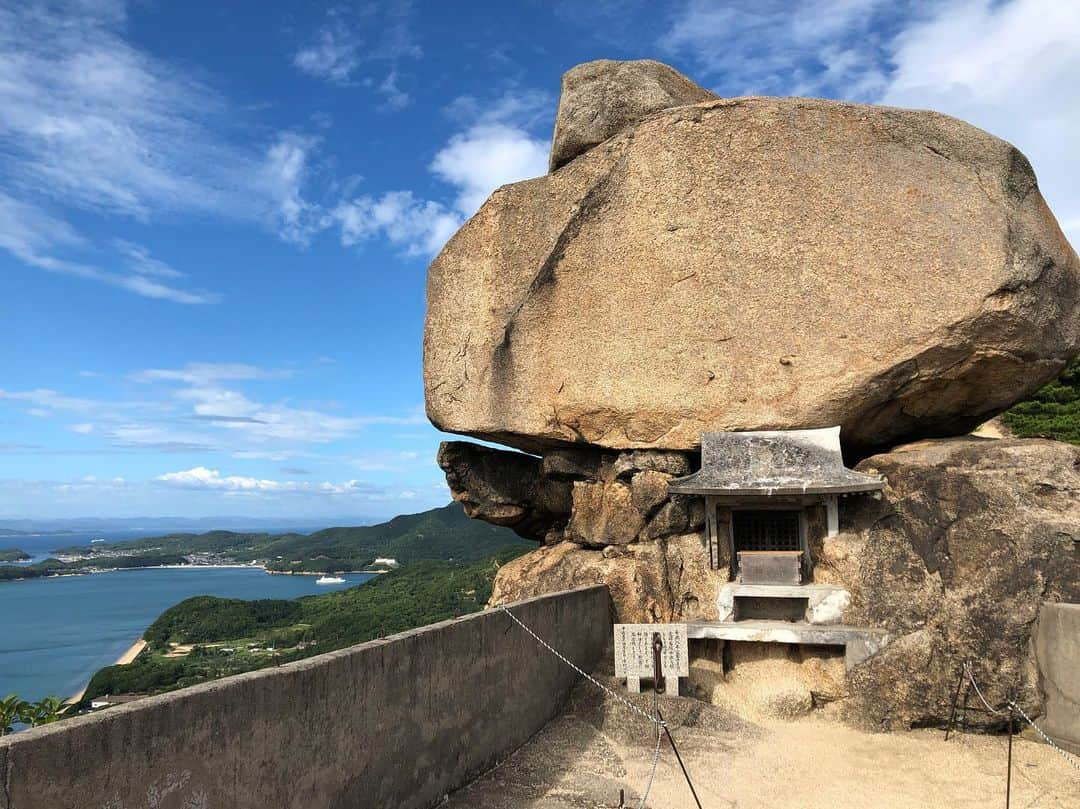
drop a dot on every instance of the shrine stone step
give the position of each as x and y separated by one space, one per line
822 604
859 643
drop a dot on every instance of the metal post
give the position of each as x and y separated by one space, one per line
1008 771
658 669
686 775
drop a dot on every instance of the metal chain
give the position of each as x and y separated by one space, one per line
1072 761
656 753
971 679
1069 758
626 703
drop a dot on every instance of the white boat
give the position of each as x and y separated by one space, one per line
330 580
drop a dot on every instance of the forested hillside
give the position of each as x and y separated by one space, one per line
204 638
443 533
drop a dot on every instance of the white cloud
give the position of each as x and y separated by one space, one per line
419 227
806 47
395 97
522 108
333 55
486 156
283 176
92 123
473 163
205 373
351 36
200 477
190 409
140 261
34 237
47 400
387 460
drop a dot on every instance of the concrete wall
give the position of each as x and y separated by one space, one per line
1057 654
396 722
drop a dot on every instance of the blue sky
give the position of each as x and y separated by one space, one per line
215 218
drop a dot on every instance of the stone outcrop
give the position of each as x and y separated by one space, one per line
970 538
600 99
505 488
655 581
753 263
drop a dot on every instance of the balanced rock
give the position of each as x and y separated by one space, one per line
747 264
601 98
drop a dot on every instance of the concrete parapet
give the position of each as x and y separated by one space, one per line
1057 653
398 722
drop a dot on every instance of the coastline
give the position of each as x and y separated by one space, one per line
233 566
127 657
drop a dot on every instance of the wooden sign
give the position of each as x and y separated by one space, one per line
634 650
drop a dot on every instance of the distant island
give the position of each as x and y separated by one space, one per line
439 534
13 555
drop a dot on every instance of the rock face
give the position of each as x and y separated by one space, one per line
971 536
505 488
751 263
600 99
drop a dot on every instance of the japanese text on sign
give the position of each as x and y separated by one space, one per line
634 650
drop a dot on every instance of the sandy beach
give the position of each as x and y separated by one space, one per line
134 651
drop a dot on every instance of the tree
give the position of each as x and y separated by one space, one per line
49 709
12 710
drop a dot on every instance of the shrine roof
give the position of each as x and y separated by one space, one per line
774 462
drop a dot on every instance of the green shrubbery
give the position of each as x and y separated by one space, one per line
1053 412
204 619
15 711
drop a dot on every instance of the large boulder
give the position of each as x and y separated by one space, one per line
600 99
754 263
970 537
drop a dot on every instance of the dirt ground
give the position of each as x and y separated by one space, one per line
597 748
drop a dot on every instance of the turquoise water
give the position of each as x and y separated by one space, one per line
55 633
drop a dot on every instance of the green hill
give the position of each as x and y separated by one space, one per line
442 533
204 638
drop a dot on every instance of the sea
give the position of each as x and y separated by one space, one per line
56 632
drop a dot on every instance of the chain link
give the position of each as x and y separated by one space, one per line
975 685
656 754
1072 761
627 703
